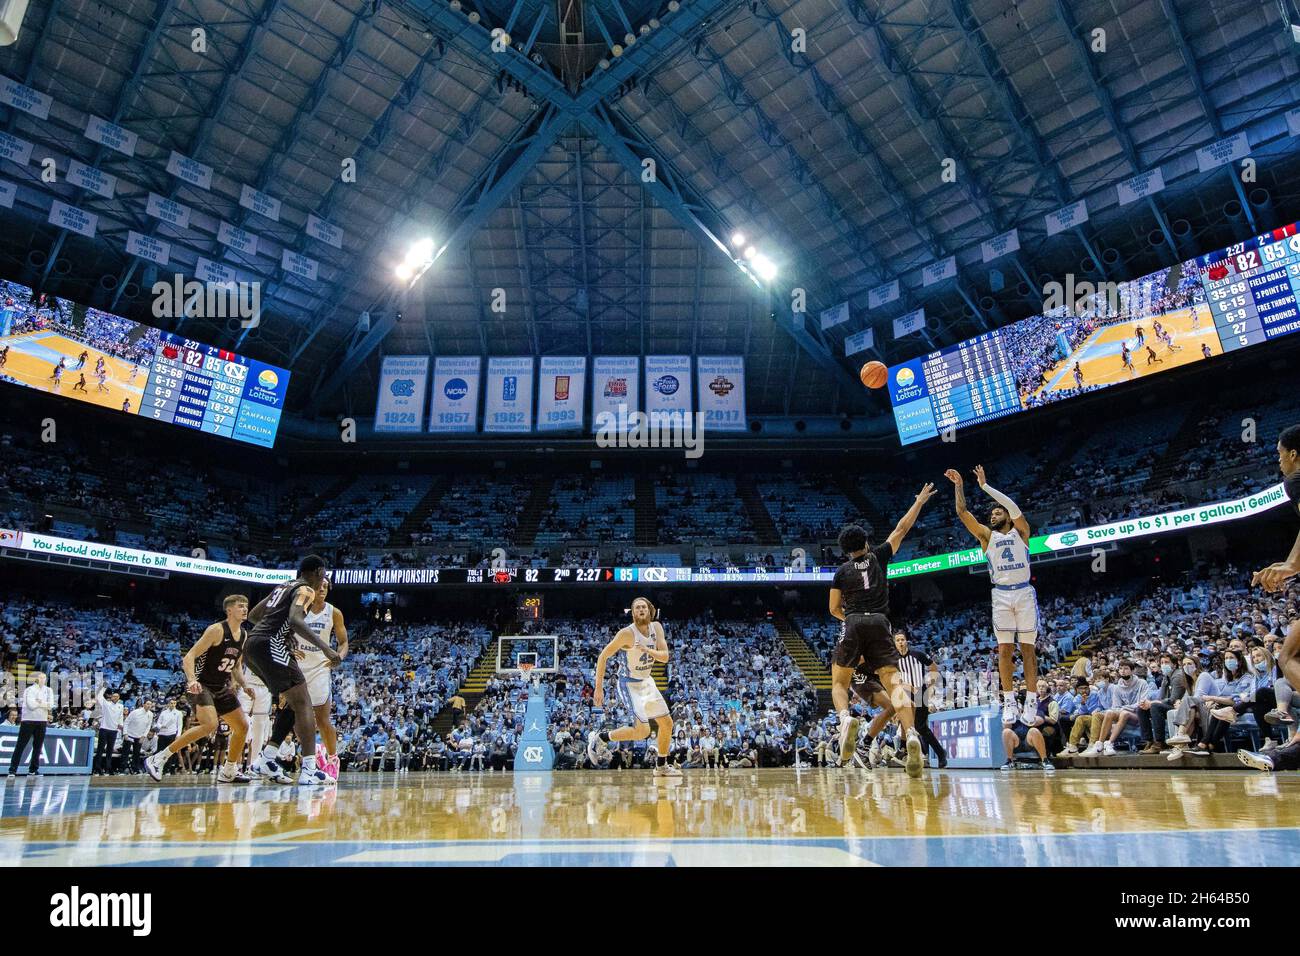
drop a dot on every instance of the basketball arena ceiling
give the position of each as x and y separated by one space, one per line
526 164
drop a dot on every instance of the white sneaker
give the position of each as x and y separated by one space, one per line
1009 712
667 770
848 740
313 777
913 763
154 766
1257 760
1178 740
1108 750
1094 749
1031 704
1071 750
235 776
1175 754
873 755
1269 745
269 769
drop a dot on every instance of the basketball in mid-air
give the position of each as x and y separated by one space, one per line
874 374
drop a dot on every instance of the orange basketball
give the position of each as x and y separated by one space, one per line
874 375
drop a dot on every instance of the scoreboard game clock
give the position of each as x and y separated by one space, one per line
529 607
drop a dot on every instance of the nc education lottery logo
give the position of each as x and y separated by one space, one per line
666 385
456 389
268 379
905 377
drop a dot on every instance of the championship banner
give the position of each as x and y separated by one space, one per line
91 179
168 210
8 193
73 219
17 151
1293 121
859 342
205 270
239 240
509 406
1140 186
909 323
260 203
13 93
835 315
455 394
403 385
1223 152
110 135
326 232
999 246
189 170
1067 217
147 247
667 385
615 381
561 391
939 271
883 295
722 392
296 263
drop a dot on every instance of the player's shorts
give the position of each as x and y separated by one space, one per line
642 697
271 659
222 698
865 684
1015 614
866 636
318 677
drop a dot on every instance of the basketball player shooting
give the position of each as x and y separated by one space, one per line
859 599
1274 577
638 646
1005 542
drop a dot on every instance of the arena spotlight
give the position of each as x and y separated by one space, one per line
765 268
654 23
674 6
738 239
418 258
750 252
643 29
455 4
473 16
616 50
603 64
629 38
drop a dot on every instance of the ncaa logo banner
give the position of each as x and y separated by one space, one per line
403 384
561 391
509 406
668 385
722 391
455 394
615 381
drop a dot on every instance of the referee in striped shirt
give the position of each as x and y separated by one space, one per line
913 666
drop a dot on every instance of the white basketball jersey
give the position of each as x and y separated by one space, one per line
323 626
637 662
1008 557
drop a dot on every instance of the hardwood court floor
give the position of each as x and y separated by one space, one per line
742 817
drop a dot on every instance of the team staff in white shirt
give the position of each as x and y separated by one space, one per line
168 724
136 727
110 722
38 701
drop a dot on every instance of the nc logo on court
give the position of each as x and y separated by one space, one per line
532 755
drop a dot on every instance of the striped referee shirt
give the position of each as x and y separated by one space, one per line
913 666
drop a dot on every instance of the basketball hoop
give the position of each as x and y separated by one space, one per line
527 669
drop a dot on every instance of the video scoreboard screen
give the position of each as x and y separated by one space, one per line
1095 335
57 347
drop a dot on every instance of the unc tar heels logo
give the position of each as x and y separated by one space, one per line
403 387
532 755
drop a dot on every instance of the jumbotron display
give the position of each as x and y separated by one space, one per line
55 346
1096 334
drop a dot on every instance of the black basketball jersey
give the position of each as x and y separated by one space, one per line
1292 485
862 581
275 615
214 666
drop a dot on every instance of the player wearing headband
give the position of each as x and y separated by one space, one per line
638 647
1005 542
